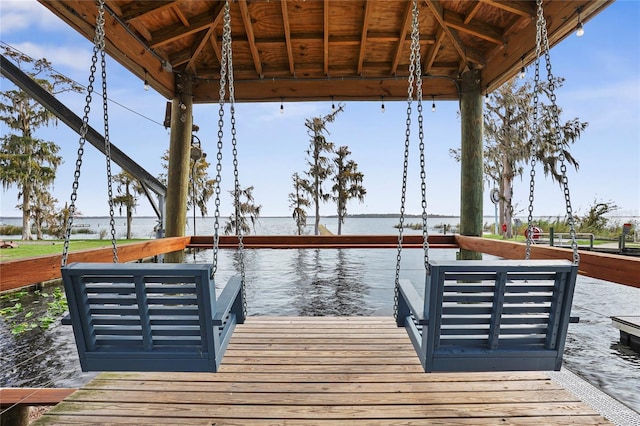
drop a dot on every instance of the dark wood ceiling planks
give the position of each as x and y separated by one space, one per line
321 49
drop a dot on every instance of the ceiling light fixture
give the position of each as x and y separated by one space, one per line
579 27
522 74
146 83
433 104
382 106
281 106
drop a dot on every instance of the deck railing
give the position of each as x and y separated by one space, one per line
610 267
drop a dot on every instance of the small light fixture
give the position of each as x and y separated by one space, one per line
333 105
522 74
433 104
281 106
146 83
382 105
183 106
579 27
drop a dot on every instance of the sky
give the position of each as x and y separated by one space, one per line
602 87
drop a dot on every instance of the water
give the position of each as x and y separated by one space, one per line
337 282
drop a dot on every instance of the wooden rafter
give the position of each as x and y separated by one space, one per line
201 43
326 38
522 8
363 37
176 10
433 52
246 19
138 9
438 13
475 7
214 43
406 23
473 27
177 31
287 36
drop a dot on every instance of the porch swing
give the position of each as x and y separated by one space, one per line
478 315
151 316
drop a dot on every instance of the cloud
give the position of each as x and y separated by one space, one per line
73 58
24 15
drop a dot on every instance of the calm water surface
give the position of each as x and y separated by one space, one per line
338 282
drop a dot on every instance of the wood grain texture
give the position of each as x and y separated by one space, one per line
302 391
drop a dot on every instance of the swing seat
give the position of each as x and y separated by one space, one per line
150 316
502 315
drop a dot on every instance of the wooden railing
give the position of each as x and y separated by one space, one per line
610 267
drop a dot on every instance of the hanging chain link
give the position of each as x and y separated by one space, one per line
415 47
226 30
107 142
415 40
236 184
542 45
83 130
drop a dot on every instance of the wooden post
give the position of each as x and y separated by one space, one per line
471 161
178 173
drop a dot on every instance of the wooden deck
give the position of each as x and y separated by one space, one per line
322 371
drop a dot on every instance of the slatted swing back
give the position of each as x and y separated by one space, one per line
143 316
476 315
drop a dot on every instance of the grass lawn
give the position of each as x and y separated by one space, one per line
27 249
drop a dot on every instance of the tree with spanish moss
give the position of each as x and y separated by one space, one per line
320 167
244 208
299 202
128 189
508 138
28 162
348 183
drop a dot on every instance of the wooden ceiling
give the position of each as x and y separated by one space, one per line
322 49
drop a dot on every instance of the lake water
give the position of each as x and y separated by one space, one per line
336 282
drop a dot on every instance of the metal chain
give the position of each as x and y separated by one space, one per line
544 42
412 65
234 144
83 136
415 40
107 142
223 80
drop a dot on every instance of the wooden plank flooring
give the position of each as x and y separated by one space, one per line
322 371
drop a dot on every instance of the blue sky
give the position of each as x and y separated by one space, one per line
602 71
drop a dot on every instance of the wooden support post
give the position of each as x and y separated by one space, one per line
178 173
471 161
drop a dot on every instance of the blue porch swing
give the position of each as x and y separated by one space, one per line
151 316
477 315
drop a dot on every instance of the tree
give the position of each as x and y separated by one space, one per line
244 206
43 210
298 201
28 162
128 189
508 134
319 164
201 187
348 183
595 220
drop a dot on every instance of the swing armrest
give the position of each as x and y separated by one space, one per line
229 299
413 301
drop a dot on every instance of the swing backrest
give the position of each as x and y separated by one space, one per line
497 315
150 316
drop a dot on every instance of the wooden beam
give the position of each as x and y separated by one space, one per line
214 43
138 9
522 8
363 37
200 44
33 396
326 37
248 27
25 272
438 13
609 267
178 31
287 36
406 24
176 10
433 52
475 7
474 27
